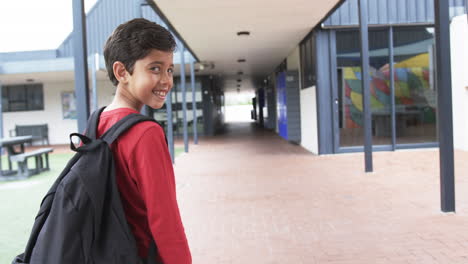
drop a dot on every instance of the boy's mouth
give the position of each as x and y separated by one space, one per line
160 94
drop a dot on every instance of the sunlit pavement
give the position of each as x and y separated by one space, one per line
248 196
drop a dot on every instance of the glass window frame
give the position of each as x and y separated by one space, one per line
395 145
33 97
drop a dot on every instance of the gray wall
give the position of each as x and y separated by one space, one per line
391 12
293 107
324 95
270 99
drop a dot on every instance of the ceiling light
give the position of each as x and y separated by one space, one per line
243 33
205 65
241 60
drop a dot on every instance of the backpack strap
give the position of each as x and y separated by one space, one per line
123 125
93 122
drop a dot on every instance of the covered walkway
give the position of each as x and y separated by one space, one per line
250 197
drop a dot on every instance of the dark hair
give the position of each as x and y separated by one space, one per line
134 40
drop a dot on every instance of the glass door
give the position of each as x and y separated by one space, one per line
349 85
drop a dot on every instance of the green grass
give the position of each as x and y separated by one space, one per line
20 201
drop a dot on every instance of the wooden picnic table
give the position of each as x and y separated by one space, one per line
11 144
4 142
15 149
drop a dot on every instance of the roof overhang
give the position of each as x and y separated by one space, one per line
210 28
62 69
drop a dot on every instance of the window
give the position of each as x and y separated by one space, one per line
307 54
415 89
22 97
414 106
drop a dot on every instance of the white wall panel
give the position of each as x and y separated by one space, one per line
309 134
459 58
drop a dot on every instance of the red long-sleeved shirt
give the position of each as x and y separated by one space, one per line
145 179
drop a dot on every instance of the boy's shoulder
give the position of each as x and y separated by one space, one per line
145 128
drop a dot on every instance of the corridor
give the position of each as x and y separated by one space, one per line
249 197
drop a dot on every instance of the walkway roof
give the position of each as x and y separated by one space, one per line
210 28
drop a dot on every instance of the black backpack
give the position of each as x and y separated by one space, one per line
81 219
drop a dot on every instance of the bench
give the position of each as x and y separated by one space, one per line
38 132
42 162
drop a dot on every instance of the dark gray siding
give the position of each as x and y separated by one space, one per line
271 105
383 12
102 19
324 104
293 107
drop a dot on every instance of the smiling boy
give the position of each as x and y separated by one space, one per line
138 58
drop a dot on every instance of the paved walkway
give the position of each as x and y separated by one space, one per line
249 197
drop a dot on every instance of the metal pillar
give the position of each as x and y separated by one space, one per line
367 114
1 114
1 125
194 103
94 69
81 64
170 130
392 87
137 10
145 110
444 105
184 100
466 9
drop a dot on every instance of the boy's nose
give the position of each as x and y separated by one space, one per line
165 78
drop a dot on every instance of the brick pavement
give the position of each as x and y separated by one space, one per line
249 197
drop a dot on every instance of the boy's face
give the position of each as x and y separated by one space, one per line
152 79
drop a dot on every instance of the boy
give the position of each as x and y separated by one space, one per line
138 58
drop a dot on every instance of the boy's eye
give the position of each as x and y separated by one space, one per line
170 70
155 69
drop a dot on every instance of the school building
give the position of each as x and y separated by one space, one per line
314 97
302 60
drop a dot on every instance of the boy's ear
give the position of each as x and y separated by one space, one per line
120 72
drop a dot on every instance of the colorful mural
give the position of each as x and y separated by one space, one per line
412 89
